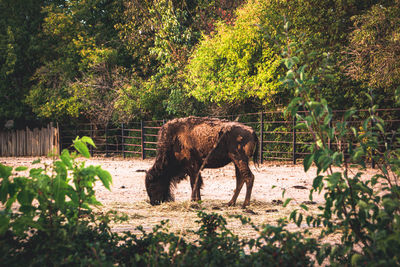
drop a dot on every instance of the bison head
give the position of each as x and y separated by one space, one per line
158 189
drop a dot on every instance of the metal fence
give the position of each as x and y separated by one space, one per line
278 137
137 139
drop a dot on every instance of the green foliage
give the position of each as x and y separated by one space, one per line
237 63
84 60
241 61
373 56
93 243
116 60
19 26
161 36
49 197
326 24
364 211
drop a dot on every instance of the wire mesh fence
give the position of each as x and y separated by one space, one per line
278 137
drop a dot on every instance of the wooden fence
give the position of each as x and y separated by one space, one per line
27 142
279 139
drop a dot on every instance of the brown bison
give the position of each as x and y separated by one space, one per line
187 145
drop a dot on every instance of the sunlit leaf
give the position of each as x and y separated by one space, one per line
82 148
105 178
88 140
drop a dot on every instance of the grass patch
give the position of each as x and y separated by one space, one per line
182 215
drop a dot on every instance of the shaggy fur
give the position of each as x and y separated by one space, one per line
183 145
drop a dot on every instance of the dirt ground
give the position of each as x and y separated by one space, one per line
128 194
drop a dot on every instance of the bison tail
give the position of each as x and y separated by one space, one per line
256 151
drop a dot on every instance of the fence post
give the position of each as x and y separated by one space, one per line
329 139
294 141
142 139
261 136
58 139
372 127
91 137
106 135
373 150
122 140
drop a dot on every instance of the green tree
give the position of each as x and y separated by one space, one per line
326 24
161 36
19 54
158 34
237 63
374 51
80 37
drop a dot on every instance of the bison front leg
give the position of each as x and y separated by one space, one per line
196 186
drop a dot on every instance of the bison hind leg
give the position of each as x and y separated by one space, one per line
243 175
239 185
249 187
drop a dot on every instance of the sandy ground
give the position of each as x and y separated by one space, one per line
128 194
128 181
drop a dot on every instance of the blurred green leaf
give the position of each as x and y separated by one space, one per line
82 148
304 207
66 158
4 223
88 140
25 197
105 177
287 201
317 182
308 160
5 171
21 168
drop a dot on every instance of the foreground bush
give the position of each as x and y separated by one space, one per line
53 224
364 212
97 245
